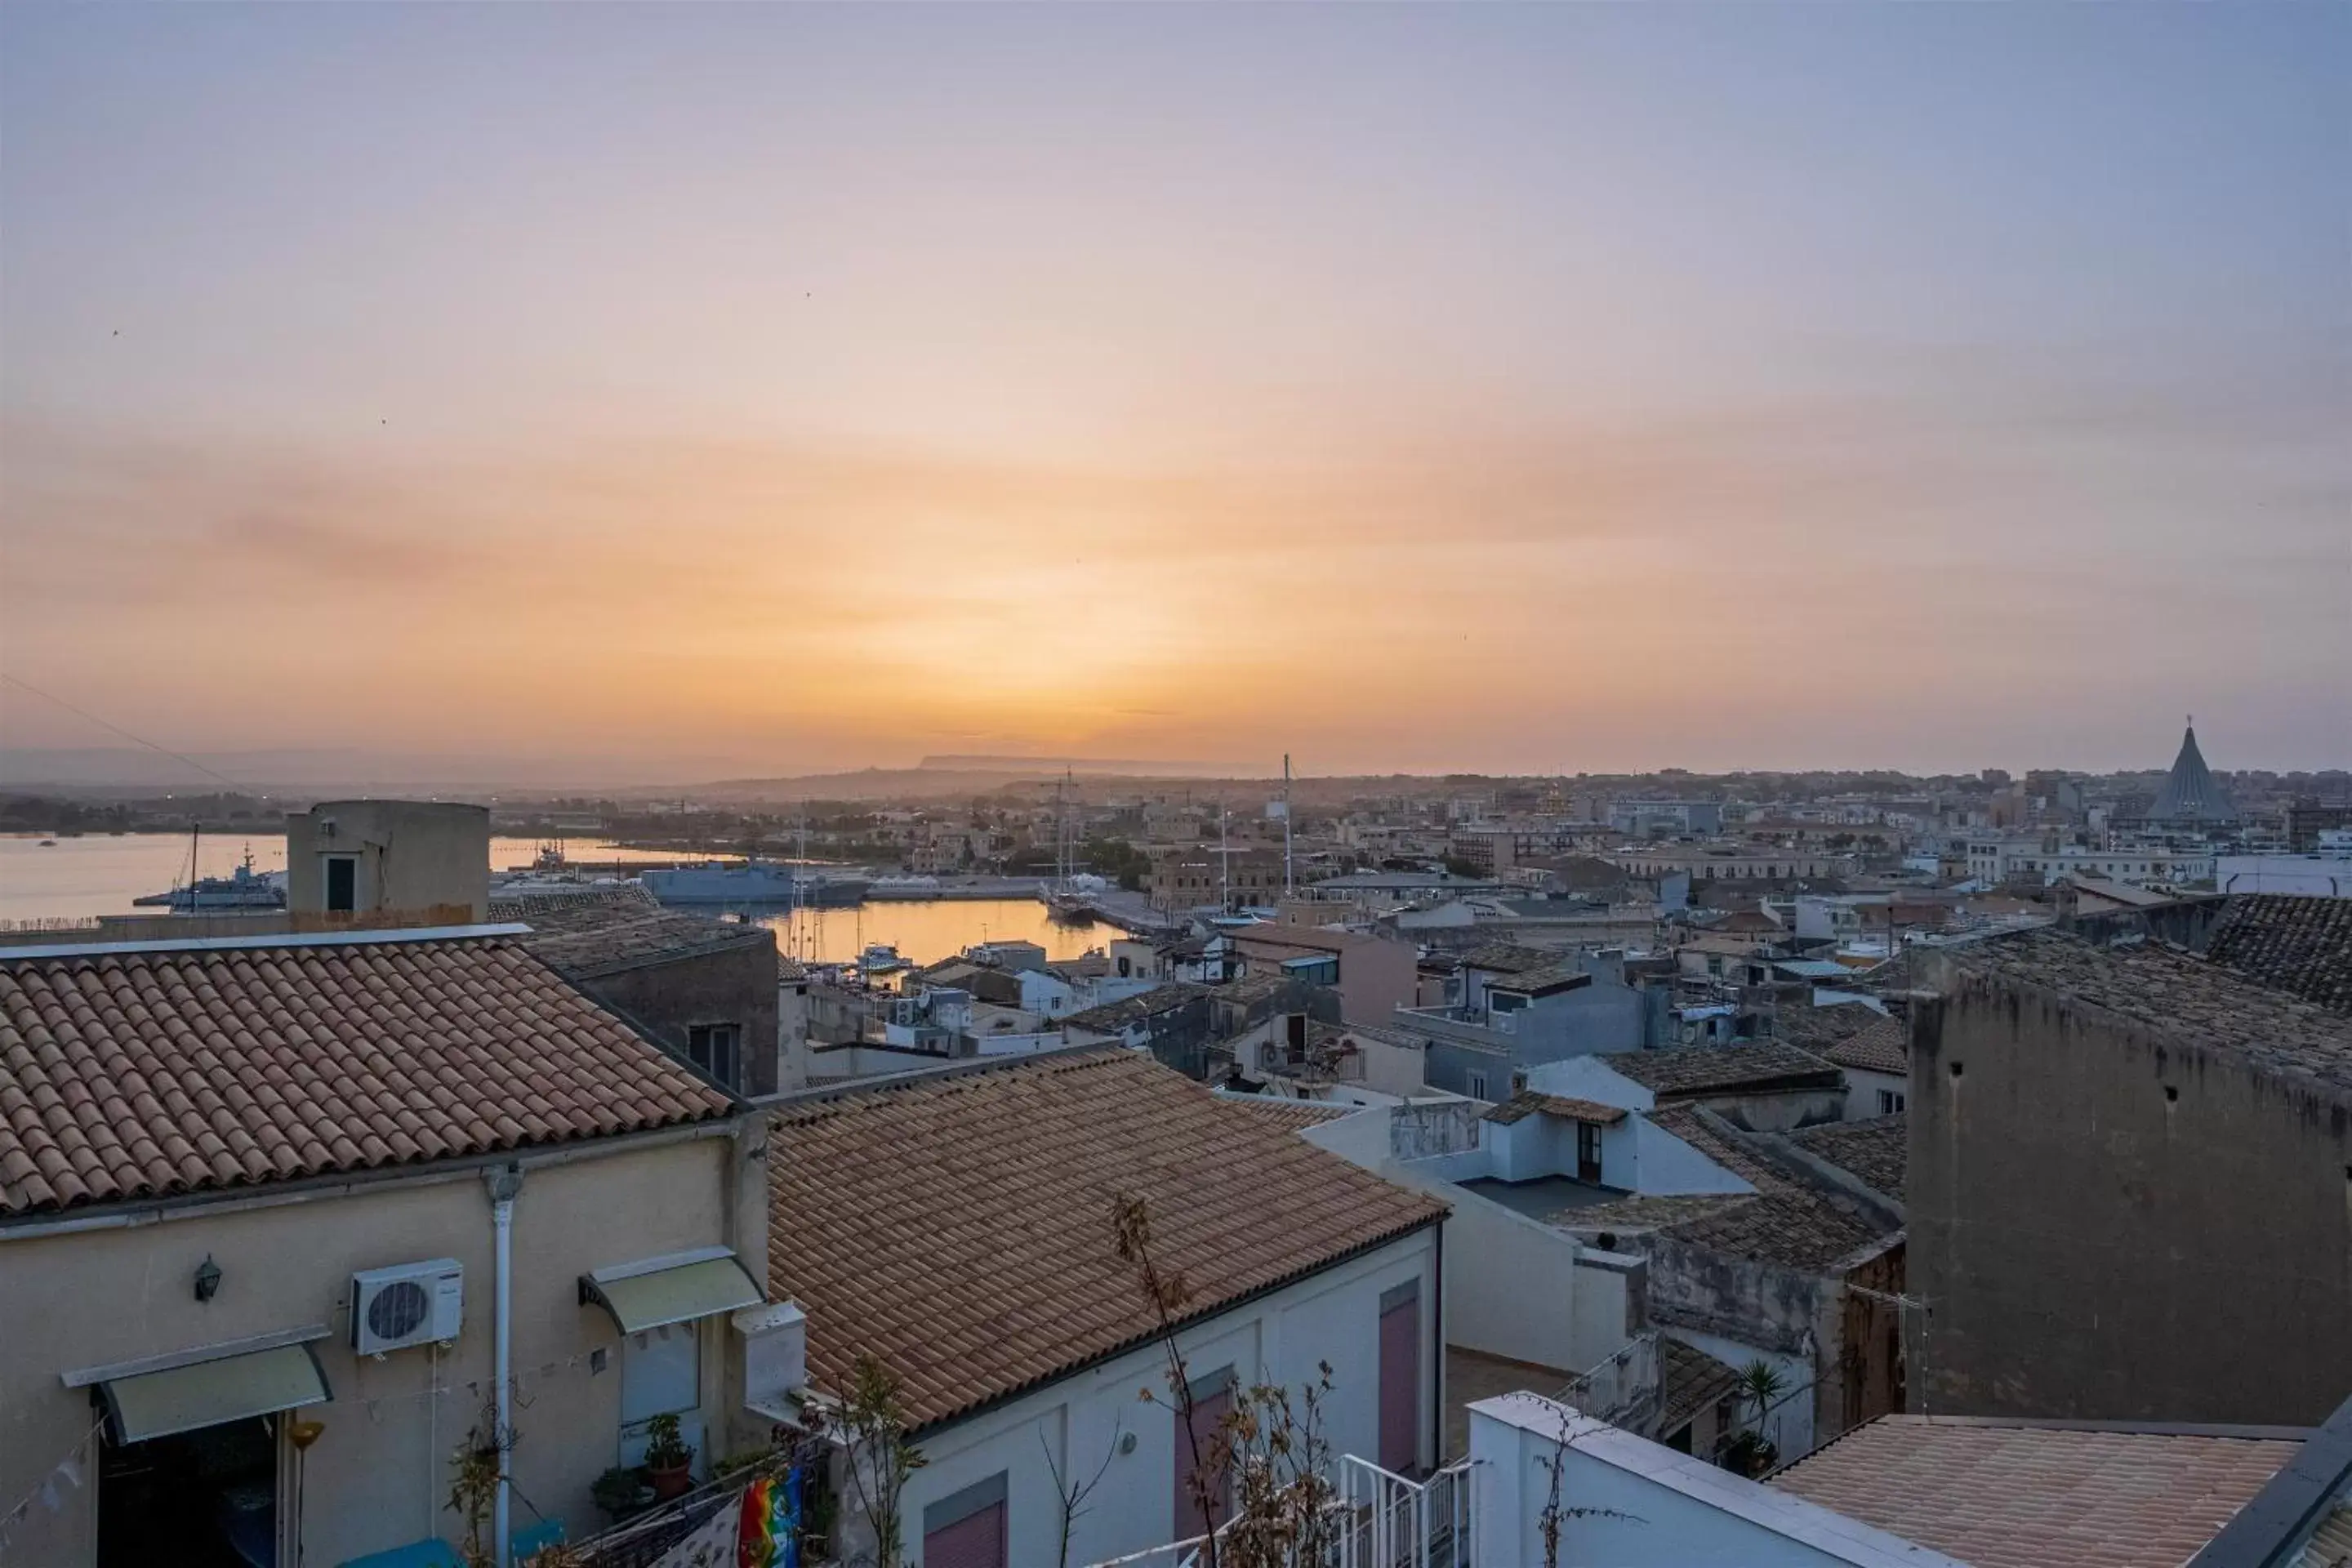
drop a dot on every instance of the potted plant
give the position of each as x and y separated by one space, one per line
667 1457
621 1491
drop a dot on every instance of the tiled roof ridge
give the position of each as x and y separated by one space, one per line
2203 1431
1200 1308
489 932
806 1103
1986 958
134 1077
982 1265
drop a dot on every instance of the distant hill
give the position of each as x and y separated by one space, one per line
1124 769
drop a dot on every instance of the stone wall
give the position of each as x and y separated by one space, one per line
2114 1224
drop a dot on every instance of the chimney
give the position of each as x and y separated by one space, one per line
775 1358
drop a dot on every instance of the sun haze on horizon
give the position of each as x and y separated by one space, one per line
1510 389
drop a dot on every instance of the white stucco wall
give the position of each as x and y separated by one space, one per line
1589 1078
1666 1166
379 1475
1333 1316
1863 1090
1643 1503
1363 1139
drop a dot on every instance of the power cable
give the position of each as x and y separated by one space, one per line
119 729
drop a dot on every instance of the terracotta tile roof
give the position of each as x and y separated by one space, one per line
1295 1115
1529 1102
2160 988
1691 1070
959 1225
1689 1381
1816 1027
2023 1496
1509 958
164 1070
1637 1217
1113 1018
2295 944
586 935
1543 982
1788 1222
1785 1221
1884 1047
1877 1150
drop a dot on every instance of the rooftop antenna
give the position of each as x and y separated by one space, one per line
1286 886
1224 863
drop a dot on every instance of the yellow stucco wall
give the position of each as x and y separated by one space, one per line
379 1475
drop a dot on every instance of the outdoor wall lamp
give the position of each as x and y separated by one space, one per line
208 1278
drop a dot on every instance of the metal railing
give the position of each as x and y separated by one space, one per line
1379 1519
1439 1023
1390 1521
1622 1391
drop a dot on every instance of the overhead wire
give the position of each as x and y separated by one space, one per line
213 774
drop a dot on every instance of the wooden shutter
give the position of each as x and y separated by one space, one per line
1400 1378
1209 1412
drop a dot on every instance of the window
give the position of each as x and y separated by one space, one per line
343 882
661 1374
1477 1086
1890 1100
711 1047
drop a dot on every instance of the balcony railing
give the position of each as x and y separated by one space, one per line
1623 1391
1444 1023
1379 1519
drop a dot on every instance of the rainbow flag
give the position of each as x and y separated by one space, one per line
768 1533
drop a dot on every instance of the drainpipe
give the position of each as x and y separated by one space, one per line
504 1185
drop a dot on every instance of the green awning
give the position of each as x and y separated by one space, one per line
207 1393
641 1296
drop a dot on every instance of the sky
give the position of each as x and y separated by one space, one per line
740 389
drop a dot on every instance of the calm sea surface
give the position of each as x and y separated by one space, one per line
100 875
926 932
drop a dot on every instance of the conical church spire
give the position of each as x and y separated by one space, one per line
2191 795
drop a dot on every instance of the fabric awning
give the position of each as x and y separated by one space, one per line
674 1290
226 1383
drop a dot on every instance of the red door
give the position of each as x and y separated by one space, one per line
1209 1415
1400 1379
975 1540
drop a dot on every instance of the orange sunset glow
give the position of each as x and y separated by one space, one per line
1095 384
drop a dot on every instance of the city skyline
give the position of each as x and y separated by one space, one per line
1529 391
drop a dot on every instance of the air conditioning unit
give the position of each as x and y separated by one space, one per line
411 1304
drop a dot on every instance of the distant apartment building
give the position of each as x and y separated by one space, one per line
1507 1009
1203 876
1995 859
1729 864
1680 818
1372 976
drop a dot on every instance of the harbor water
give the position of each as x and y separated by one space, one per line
99 873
